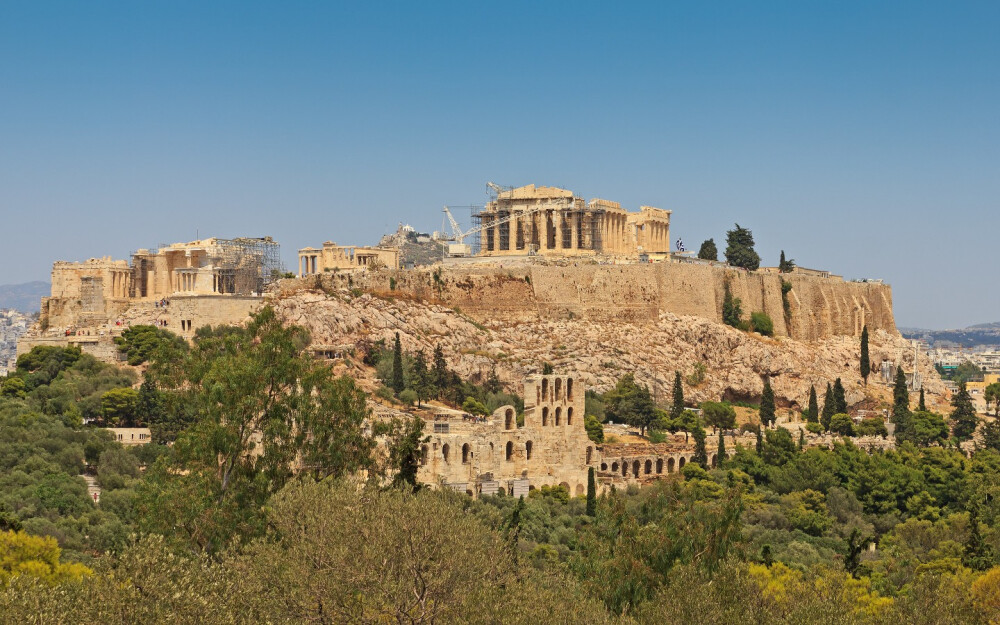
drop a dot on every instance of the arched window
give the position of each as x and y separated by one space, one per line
527 450
465 453
545 389
569 389
510 450
569 416
659 466
579 490
635 468
604 466
680 464
558 389
444 451
614 467
624 469
423 454
558 414
590 453
509 420
670 465
714 461
545 415
649 467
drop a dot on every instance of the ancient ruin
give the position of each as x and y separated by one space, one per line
532 220
487 455
180 287
333 257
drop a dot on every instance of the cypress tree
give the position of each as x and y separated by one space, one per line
708 250
591 493
767 404
900 396
678 400
839 400
866 365
720 454
976 554
700 456
963 418
760 440
922 406
398 384
441 377
421 381
813 415
829 406
802 439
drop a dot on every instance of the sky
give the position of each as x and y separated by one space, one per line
862 138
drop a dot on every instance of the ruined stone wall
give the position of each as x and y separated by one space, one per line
819 308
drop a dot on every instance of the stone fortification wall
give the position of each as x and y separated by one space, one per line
818 307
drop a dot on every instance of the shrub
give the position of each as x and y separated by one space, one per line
595 429
842 424
815 428
761 323
408 397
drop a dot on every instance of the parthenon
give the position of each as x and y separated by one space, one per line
553 221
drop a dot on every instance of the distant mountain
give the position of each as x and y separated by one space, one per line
981 334
24 297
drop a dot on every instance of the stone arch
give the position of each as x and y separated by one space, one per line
625 468
569 416
558 387
558 415
545 415
545 389
566 486
680 463
670 465
579 490
527 450
659 466
635 468
569 389
444 451
509 419
714 461
423 454
590 454
649 467
466 449
614 467
509 452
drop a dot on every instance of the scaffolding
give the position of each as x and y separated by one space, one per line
247 265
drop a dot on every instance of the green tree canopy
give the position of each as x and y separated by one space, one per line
631 403
739 249
708 250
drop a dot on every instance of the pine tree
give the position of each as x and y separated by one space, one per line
739 249
829 407
813 415
700 456
708 250
677 407
866 365
839 399
963 418
767 405
149 408
720 453
922 405
591 493
398 383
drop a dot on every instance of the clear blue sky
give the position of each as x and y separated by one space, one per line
861 139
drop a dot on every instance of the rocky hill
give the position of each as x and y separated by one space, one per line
601 350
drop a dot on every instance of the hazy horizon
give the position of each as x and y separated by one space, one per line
858 139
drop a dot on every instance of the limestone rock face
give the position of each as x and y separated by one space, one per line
599 351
